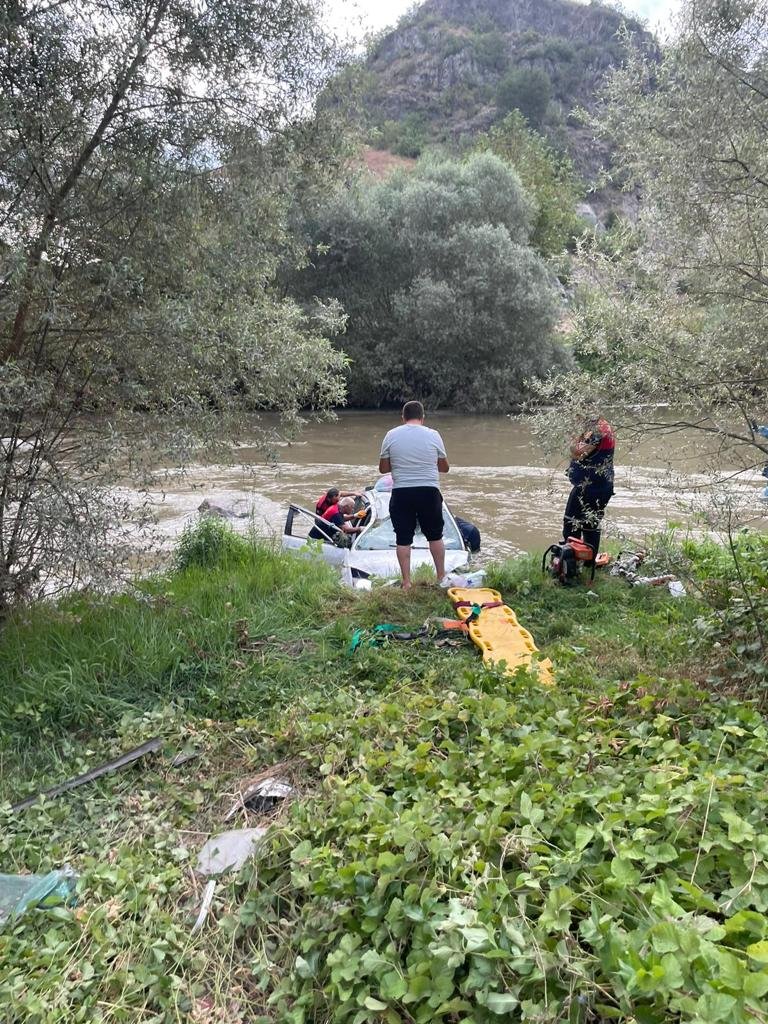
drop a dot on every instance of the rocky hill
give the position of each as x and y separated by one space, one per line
453 67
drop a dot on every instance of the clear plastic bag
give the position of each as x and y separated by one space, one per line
19 892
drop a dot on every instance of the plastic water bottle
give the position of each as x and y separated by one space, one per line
470 579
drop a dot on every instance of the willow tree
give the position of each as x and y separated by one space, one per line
147 154
445 297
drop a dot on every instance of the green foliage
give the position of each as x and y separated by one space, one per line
211 542
86 664
445 298
407 137
548 178
675 313
487 847
460 841
146 214
734 579
528 90
490 50
450 43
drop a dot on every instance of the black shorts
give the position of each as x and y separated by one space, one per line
411 505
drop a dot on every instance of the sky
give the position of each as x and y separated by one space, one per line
359 16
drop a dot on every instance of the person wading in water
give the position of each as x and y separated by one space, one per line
591 473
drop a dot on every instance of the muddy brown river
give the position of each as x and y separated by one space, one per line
500 479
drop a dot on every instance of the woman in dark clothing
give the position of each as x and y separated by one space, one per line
591 473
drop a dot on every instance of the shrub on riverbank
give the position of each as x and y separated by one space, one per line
460 845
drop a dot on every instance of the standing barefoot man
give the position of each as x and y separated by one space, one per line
415 456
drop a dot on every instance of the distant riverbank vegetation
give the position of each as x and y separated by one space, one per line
444 293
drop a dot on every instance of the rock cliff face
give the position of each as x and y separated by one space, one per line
441 74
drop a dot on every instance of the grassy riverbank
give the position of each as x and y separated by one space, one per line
461 847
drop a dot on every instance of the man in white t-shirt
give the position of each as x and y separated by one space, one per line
415 456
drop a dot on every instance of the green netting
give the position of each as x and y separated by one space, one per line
18 892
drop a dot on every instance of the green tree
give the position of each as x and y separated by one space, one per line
148 150
548 178
678 315
490 50
445 298
671 321
528 90
406 137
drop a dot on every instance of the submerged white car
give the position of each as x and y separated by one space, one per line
371 552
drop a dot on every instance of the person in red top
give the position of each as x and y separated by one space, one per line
331 498
335 515
591 473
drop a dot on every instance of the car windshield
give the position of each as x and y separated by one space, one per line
381 537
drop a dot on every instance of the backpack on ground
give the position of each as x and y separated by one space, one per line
566 559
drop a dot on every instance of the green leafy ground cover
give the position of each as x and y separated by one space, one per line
463 846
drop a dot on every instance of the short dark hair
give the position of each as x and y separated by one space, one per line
332 493
413 411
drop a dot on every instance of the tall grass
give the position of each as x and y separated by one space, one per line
85 662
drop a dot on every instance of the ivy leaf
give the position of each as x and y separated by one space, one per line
393 986
374 1004
624 873
756 985
501 1002
739 830
731 970
748 922
716 1006
303 968
526 806
477 939
759 951
584 836
664 938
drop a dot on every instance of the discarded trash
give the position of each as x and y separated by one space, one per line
469 579
19 892
205 906
228 851
183 756
442 632
442 625
627 564
261 797
652 581
150 747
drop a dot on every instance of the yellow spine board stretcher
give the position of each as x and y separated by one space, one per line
497 632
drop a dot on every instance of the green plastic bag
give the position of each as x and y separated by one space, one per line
19 892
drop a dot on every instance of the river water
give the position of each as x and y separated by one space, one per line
500 479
